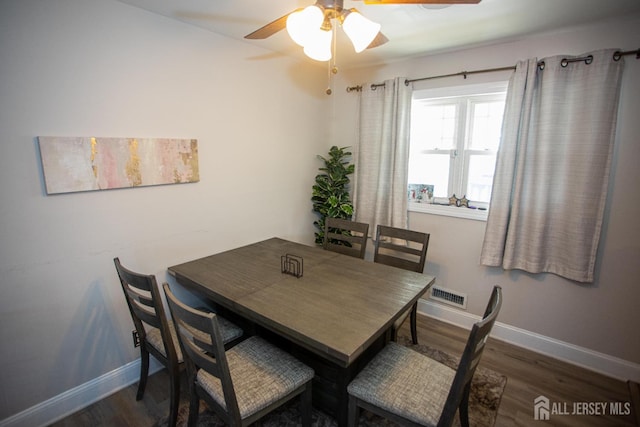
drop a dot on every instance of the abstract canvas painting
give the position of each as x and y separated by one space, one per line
72 164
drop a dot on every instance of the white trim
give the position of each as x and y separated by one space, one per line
454 211
462 90
605 364
90 392
70 401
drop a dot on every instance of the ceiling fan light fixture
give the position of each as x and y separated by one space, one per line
302 25
318 46
360 30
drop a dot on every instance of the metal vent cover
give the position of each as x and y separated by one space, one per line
448 296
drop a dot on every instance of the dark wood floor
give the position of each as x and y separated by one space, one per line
529 376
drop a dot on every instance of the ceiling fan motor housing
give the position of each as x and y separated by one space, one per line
336 5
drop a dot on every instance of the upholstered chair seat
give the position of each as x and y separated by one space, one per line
241 384
387 383
412 389
260 373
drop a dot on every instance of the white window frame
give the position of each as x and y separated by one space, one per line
458 173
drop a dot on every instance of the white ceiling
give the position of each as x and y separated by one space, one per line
412 30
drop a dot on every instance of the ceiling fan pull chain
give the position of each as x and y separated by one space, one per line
328 91
331 64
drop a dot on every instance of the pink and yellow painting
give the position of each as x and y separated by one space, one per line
72 164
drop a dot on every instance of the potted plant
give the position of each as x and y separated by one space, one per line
331 191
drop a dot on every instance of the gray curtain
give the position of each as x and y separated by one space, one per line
382 155
552 171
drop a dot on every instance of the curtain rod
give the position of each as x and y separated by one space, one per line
587 59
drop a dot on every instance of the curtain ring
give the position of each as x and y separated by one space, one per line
564 62
617 55
374 87
406 82
541 65
588 60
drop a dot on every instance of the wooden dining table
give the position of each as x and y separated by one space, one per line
335 317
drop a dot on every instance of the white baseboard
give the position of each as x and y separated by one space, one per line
584 357
64 404
84 395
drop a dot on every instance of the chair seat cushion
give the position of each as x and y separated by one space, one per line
261 374
228 330
406 383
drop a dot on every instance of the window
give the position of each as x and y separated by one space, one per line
455 134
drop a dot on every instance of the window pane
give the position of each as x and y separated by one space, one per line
455 135
487 124
430 169
433 126
481 168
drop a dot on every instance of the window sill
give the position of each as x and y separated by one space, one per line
454 211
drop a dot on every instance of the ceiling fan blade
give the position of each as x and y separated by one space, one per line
380 39
421 1
271 28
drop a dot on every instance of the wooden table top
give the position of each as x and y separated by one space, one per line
336 309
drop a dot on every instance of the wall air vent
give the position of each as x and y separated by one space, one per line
449 296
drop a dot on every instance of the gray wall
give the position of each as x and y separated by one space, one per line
602 317
103 68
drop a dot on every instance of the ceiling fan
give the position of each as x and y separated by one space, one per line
311 27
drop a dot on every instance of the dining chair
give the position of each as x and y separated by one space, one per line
346 237
242 384
405 249
159 336
412 389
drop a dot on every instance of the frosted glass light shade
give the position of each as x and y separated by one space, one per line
302 24
318 46
361 31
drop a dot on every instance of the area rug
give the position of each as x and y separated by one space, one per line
487 387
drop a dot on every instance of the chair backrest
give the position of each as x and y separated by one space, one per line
346 237
401 248
471 357
145 305
201 341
